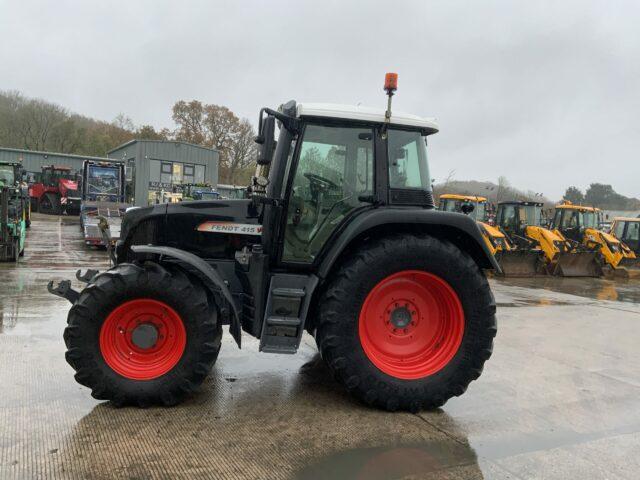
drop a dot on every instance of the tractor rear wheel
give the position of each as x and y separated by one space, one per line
143 335
407 322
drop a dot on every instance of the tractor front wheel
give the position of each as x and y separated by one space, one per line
143 335
407 322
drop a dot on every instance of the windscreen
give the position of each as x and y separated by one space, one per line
447 205
103 183
589 220
532 214
480 212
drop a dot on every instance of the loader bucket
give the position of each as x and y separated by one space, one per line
518 263
578 264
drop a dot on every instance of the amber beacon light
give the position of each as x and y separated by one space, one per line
391 82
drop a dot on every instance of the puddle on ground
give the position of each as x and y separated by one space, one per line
597 289
397 461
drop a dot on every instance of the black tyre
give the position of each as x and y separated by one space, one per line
407 322
143 335
49 203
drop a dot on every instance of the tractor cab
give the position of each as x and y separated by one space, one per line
339 238
515 216
52 174
474 206
573 220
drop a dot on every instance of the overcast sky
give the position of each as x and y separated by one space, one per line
546 93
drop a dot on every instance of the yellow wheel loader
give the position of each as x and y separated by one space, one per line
580 224
514 261
522 222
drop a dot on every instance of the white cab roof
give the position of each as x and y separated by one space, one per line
367 114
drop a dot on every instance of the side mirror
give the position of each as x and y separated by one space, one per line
467 208
266 140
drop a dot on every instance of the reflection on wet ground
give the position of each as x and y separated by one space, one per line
560 398
592 288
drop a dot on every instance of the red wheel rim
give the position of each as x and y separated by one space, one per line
411 324
142 339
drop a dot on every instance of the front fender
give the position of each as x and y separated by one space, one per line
216 285
460 229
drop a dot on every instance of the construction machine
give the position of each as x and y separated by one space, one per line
103 202
522 222
579 223
14 211
514 260
55 191
393 290
627 230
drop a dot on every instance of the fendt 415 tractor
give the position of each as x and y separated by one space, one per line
14 212
339 237
55 191
103 202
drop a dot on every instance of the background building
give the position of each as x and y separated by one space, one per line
156 165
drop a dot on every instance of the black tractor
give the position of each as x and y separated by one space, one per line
338 237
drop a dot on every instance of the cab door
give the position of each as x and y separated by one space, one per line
332 175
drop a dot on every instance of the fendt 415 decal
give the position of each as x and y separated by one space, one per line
230 227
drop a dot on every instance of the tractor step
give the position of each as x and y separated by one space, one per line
287 307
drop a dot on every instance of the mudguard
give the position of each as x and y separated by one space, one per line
219 287
460 229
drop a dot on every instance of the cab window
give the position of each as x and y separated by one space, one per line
408 166
633 231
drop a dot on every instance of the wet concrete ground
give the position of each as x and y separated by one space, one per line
560 398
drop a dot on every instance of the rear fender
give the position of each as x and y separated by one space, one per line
458 228
216 284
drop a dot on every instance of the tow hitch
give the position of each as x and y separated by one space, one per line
64 290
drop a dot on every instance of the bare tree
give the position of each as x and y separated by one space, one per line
215 126
242 152
189 117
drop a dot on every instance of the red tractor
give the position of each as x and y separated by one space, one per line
55 191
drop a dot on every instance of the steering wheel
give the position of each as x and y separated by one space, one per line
321 181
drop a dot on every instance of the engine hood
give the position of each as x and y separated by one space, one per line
207 228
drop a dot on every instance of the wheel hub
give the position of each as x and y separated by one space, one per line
401 317
145 336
